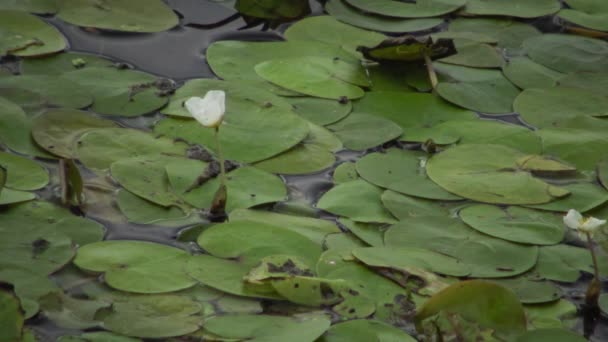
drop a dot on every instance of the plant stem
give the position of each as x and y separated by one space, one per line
596 272
220 157
430 71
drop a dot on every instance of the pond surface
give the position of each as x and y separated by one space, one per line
361 211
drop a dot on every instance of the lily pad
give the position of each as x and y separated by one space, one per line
489 173
363 330
477 301
258 328
584 197
515 224
141 211
357 200
33 6
476 56
404 206
577 146
402 171
61 63
29 288
48 38
509 33
100 336
246 186
530 291
542 107
423 110
565 263
15 130
10 196
360 131
313 154
131 16
137 266
328 78
11 318
273 10
58 130
320 111
596 82
119 92
419 9
525 73
23 173
257 124
486 256
556 335
56 91
602 173
345 172
71 313
345 13
590 20
568 53
515 8
99 148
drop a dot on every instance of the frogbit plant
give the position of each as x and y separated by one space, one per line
209 111
586 228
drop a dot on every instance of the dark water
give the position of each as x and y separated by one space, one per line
179 54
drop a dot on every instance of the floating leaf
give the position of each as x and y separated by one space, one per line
588 19
485 303
559 314
360 131
602 173
486 256
345 172
34 6
489 173
71 313
29 287
46 37
531 292
141 211
131 16
137 266
15 130
515 224
525 73
402 171
568 53
99 148
345 13
403 206
476 56
357 200
320 111
119 92
515 8
509 33
101 336
9 196
11 318
556 335
419 9
315 76
584 197
596 82
408 49
578 146
277 10
62 63
363 330
564 263
56 91
23 173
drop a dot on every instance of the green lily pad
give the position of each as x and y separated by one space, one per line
525 73
235 60
320 111
328 78
584 196
273 10
515 8
594 21
313 154
11 318
345 13
602 173
565 263
568 53
31 102
489 173
246 186
596 82
23 173
419 9
57 91
580 147
99 148
476 56
542 107
558 314
15 130
362 330
486 256
258 328
403 206
57 130
251 131
327 29
408 259
311 291
119 92
10 196
530 291
153 316
48 38
556 335
252 240
402 171
360 131
141 211
227 276
71 313
515 224
357 200
100 336
370 233
33 6
510 34
29 287
131 16
312 228
345 172
62 63
137 266
476 300
423 110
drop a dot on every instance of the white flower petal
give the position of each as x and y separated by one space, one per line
573 219
208 111
592 224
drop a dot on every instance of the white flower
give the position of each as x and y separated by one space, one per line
582 225
209 111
